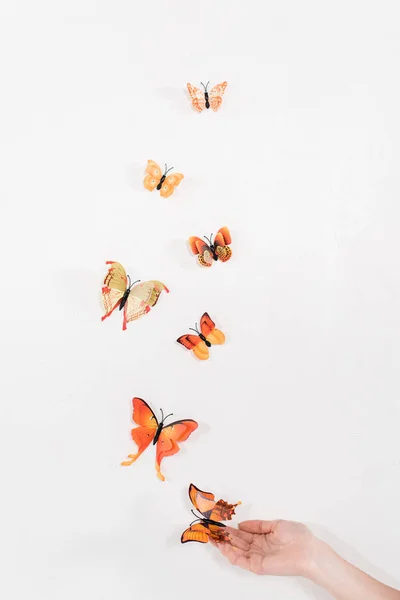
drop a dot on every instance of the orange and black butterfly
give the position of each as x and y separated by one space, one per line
164 437
156 179
212 250
207 99
208 525
204 339
119 292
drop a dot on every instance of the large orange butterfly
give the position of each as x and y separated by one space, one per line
165 183
202 341
207 99
118 292
166 437
208 525
214 250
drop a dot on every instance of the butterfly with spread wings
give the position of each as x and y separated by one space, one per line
202 341
119 292
208 525
207 99
163 182
213 250
164 437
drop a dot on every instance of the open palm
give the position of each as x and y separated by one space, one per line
269 547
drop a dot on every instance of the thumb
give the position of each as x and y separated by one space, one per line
257 526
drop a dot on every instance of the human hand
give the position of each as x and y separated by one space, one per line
270 547
288 548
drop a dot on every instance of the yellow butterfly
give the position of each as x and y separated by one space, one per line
134 301
162 181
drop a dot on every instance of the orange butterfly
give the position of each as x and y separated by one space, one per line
208 526
134 301
201 342
219 249
163 182
165 436
212 99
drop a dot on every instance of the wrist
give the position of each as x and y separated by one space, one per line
321 560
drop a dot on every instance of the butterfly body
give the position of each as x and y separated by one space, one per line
205 337
211 522
213 252
209 250
164 437
205 340
134 300
207 99
207 526
124 298
157 434
159 186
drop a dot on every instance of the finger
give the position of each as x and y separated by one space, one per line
257 526
244 535
237 542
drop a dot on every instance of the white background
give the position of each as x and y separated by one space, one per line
299 411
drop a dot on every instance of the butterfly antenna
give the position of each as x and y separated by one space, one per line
167 170
193 522
162 414
207 85
132 284
211 236
129 280
165 418
195 330
206 238
197 518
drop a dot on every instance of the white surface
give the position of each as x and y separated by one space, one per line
299 412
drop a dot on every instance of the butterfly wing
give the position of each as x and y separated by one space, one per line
170 183
141 299
170 435
223 511
116 276
195 343
144 434
216 94
153 175
197 96
221 241
213 335
218 533
196 533
205 503
115 284
202 249
200 532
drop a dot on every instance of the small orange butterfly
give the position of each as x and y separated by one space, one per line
219 249
207 99
203 340
165 183
212 512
